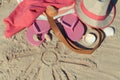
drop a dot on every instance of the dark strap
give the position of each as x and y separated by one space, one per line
70 44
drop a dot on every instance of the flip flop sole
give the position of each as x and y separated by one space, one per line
37 31
73 26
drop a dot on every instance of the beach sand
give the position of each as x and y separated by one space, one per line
52 60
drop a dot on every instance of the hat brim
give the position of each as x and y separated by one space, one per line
92 22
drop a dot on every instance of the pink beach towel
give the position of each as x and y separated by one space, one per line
27 11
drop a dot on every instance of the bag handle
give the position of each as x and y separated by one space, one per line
70 44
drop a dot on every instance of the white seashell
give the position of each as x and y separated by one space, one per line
19 1
47 37
110 31
35 38
89 38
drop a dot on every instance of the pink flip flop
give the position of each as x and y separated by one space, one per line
73 26
39 28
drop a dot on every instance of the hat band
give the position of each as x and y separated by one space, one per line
90 14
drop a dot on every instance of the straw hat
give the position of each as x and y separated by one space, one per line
95 13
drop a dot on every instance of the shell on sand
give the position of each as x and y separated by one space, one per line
19 1
47 37
89 38
109 31
35 38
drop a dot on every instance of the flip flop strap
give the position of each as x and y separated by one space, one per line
70 44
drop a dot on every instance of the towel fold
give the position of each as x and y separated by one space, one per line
27 11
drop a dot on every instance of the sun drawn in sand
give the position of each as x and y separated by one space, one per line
53 65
